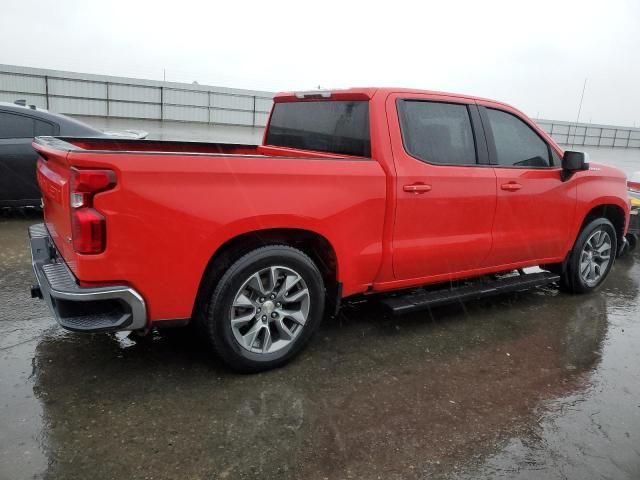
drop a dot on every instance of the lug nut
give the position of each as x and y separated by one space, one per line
258 309
262 299
272 296
274 314
264 317
278 304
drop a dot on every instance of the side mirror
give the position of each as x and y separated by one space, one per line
574 162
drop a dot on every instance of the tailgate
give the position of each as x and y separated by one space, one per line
53 174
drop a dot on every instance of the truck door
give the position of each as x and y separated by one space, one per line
446 191
535 208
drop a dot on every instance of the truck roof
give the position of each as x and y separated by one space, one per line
367 93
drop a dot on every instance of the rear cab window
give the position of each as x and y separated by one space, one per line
332 126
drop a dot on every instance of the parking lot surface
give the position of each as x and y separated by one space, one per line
532 385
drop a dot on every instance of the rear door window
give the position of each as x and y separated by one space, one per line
340 127
44 128
517 145
16 126
437 132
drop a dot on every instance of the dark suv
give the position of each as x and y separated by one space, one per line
19 123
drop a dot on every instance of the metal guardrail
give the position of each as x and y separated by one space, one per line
117 97
591 135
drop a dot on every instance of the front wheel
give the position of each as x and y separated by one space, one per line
592 257
265 308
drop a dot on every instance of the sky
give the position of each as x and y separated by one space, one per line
533 55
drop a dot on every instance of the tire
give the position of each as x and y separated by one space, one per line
593 238
246 295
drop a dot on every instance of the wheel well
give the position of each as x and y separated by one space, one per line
313 244
613 213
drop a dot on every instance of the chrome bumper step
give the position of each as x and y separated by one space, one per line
84 309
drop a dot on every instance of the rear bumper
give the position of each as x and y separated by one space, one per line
82 309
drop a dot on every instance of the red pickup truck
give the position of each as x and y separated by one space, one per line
354 191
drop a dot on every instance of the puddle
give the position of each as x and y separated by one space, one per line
533 385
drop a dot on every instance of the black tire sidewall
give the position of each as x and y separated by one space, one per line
219 328
575 279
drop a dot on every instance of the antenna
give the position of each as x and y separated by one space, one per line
575 127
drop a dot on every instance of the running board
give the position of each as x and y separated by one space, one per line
483 287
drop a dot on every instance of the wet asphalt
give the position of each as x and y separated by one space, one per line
535 385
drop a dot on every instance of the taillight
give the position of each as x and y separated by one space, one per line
89 227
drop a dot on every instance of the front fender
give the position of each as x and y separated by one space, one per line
600 187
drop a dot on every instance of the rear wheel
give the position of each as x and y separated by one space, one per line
592 257
265 308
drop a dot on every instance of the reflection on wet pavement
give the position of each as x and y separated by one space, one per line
533 385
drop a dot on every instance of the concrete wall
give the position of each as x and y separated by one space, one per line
164 109
591 135
174 130
183 111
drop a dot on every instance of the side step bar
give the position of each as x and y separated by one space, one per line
483 287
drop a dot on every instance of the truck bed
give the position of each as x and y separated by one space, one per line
118 145
114 145
175 203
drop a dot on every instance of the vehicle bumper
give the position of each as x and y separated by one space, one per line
81 309
634 222
633 232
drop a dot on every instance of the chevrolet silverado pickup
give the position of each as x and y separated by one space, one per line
430 197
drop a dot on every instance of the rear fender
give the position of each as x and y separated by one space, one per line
256 224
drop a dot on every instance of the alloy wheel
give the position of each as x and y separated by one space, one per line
270 309
595 257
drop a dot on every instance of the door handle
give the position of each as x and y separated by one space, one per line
417 188
511 186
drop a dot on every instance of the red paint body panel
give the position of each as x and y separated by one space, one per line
53 176
175 204
169 213
448 228
600 185
532 222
